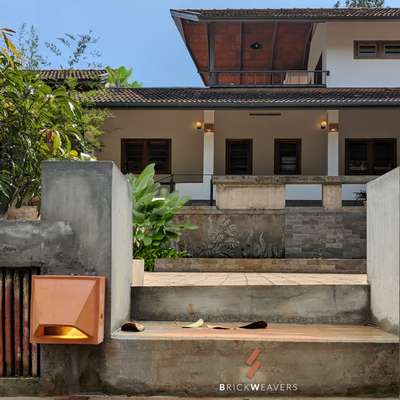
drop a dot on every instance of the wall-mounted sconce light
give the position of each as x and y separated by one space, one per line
209 128
333 127
324 124
67 309
199 125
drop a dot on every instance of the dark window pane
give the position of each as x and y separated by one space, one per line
239 157
384 161
358 158
158 153
287 157
367 50
134 152
392 49
137 153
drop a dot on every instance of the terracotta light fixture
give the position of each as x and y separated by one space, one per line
209 128
333 127
67 309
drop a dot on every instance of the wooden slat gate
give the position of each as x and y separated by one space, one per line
17 356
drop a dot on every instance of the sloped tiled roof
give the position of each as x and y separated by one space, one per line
291 13
95 75
247 97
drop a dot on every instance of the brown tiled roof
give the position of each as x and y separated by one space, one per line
291 13
247 97
95 75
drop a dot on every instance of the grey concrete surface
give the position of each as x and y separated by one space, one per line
197 367
383 259
37 244
334 304
290 265
94 198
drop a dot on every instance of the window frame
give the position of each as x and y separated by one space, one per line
124 145
228 153
370 153
277 158
380 54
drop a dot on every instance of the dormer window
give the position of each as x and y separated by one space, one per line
377 49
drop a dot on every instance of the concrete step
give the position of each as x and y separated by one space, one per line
308 360
284 298
294 265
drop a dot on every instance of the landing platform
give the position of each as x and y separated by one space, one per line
316 333
172 279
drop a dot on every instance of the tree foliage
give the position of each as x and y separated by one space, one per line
37 123
153 209
120 77
362 3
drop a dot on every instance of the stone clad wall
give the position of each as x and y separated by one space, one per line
301 232
325 234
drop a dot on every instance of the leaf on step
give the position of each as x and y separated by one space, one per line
218 327
132 326
198 324
255 325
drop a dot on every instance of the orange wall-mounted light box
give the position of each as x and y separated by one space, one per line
67 309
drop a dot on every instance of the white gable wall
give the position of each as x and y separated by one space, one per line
338 40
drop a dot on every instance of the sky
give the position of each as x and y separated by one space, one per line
136 33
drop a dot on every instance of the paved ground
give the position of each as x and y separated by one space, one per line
156 330
253 279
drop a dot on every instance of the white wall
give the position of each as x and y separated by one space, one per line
345 71
383 242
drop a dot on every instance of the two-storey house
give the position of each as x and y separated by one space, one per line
286 91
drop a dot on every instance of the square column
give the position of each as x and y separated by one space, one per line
333 143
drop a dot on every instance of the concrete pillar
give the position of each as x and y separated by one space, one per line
94 198
208 144
333 144
332 196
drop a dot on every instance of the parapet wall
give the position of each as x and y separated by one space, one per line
298 232
383 261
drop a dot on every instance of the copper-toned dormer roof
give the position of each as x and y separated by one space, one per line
288 13
246 97
229 46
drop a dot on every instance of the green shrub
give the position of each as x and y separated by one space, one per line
153 209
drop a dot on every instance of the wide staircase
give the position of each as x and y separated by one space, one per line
319 340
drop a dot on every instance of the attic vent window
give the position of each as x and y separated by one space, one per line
256 46
392 49
377 49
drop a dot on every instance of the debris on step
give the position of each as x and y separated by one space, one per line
253 325
132 326
198 324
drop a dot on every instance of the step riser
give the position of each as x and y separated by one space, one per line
197 368
314 266
336 304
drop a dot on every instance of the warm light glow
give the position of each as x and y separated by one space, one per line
63 332
323 124
199 125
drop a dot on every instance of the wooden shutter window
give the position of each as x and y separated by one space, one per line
370 156
136 154
287 156
239 157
